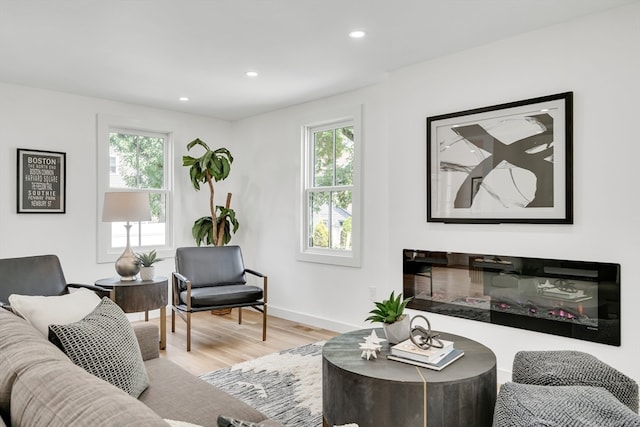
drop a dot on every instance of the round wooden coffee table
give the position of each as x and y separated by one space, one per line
381 392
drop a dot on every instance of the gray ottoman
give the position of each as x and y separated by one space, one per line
525 405
561 368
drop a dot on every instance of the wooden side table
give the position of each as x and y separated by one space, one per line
382 392
141 295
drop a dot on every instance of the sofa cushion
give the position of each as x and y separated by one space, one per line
38 381
60 394
21 346
176 423
41 311
148 337
105 345
171 394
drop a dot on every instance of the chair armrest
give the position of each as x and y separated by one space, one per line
180 277
255 273
176 288
264 282
148 338
100 291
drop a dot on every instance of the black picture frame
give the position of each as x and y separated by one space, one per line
507 163
41 181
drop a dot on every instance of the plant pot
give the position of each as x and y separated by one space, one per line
147 273
398 331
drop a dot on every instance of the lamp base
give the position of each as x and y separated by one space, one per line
127 265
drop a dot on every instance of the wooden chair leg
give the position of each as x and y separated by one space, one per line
264 322
188 331
173 320
239 315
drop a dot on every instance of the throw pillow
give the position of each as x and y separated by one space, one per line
232 422
105 345
41 311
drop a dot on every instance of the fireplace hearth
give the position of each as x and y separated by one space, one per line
576 299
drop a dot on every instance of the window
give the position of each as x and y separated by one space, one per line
331 192
134 159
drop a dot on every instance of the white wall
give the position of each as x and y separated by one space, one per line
46 120
335 296
595 57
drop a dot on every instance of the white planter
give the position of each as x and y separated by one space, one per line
398 331
147 273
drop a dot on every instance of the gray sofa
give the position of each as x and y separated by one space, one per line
39 386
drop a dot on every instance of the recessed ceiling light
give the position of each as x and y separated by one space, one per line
357 34
183 99
251 74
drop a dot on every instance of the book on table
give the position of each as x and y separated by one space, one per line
447 360
409 350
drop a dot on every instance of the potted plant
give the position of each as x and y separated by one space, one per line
213 165
390 312
146 261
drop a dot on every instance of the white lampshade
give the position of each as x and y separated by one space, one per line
126 206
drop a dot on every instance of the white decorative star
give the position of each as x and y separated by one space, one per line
371 346
374 338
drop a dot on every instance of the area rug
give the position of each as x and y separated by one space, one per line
285 386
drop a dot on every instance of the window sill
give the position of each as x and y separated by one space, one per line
348 259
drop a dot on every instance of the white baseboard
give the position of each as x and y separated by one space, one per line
318 322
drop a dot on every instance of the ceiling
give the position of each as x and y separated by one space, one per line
151 52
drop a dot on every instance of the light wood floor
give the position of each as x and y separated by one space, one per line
219 341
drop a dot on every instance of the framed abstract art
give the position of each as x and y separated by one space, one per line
508 163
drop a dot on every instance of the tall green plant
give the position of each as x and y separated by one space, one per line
213 165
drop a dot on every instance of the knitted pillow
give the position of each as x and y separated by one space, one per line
105 345
525 405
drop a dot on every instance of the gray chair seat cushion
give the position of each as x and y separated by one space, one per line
565 367
520 405
222 295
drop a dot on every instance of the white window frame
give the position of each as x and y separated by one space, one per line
107 124
348 258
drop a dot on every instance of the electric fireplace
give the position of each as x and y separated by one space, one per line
576 299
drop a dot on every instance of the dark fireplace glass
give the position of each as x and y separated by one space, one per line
576 299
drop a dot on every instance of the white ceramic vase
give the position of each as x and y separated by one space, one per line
398 331
147 273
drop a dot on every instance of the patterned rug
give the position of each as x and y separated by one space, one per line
285 386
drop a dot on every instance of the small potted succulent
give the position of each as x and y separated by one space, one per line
146 261
390 312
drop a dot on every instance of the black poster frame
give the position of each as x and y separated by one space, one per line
41 181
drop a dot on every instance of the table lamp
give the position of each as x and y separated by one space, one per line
126 206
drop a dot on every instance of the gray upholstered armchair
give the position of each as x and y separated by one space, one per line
36 275
213 278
